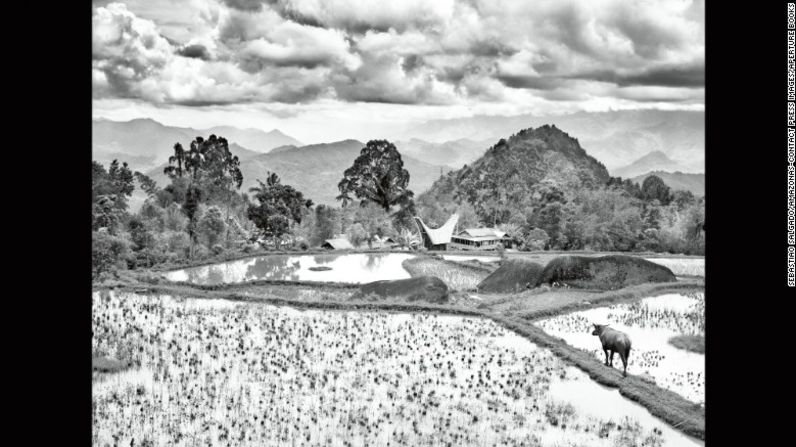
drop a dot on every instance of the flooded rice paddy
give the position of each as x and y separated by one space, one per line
682 266
215 373
650 323
351 268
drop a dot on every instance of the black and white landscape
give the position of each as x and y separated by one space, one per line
371 223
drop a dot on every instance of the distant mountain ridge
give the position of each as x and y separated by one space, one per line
615 137
455 153
678 181
145 143
654 161
316 169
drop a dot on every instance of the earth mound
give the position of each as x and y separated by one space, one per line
604 273
513 276
422 288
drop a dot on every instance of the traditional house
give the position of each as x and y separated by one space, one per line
439 238
480 239
339 243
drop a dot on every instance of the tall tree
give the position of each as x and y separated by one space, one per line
176 162
115 183
209 164
377 176
149 186
654 188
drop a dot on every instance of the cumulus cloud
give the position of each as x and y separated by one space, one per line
404 52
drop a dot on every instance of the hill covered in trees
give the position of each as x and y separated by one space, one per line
544 189
516 173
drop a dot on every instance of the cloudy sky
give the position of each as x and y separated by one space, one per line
323 70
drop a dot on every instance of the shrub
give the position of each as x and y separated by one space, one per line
218 249
536 239
177 242
108 252
212 225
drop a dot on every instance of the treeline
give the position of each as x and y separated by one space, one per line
619 216
203 214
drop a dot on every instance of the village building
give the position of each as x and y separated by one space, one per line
439 238
481 239
339 243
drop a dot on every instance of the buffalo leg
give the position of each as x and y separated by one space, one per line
611 363
623 356
606 356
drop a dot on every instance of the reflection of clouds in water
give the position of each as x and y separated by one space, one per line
353 268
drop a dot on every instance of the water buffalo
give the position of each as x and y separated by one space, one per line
613 341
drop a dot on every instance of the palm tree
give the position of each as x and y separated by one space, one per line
179 158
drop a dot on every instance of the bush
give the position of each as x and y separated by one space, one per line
218 249
108 252
357 235
177 242
212 225
535 240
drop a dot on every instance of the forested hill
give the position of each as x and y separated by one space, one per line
514 173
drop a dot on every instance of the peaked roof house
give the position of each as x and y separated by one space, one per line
480 239
339 243
439 238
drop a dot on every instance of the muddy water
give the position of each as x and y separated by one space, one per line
649 323
214 373
351 268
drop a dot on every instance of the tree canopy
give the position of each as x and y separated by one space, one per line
377 176
277 206
209 164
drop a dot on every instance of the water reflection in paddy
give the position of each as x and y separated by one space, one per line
352 268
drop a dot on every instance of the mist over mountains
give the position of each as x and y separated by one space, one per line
630 144
615 138
145 143
316 169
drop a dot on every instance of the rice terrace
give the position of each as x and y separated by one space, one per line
402 223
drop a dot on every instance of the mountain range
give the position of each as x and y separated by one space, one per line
454 153
678 180
612 137
145 143
654 161
316 169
